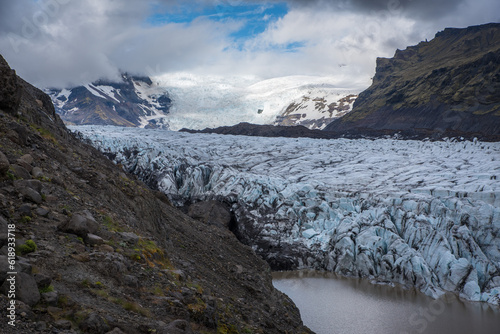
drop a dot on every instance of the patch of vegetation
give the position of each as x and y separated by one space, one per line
10 175
111 224
152 254
197 310
227 329
25 219
46 289
136 308
44 178
195 286
101 293
28 247
63 300
46 134
85 283
158 291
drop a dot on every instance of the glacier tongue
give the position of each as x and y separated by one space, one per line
419 213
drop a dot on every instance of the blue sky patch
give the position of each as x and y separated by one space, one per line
254 17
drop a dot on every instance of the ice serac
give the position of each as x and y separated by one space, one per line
420 213
133 102
446 87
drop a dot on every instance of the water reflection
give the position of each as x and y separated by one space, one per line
332 304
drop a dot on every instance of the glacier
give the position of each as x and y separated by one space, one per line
422 214
209 101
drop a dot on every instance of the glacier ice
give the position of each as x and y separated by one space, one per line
419 213
209 101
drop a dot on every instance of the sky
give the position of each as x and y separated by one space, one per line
63 43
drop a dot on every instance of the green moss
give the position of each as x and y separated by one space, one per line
63 300
136 308
46 134
28 247
10 175
46 289
227 329
85 283
111 225
25 219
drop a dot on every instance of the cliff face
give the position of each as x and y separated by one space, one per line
97 251
449 86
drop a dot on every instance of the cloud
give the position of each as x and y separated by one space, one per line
68 42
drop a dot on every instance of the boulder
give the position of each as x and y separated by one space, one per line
42 212
93 239
31 195
129 237
25 210
37 172
33 184
26 162
20 172
25 287
79 224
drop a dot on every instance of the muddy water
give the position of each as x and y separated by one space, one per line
331 304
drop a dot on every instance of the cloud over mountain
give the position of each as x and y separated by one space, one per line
64 42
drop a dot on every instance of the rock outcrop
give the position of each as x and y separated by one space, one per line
316 112
97 251
447 87
258 130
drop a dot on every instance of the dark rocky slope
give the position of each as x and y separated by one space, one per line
447 87
106 253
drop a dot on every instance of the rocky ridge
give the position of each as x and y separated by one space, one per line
248 129
316 112
99 252
446 87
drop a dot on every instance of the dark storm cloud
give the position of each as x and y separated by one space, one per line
421 9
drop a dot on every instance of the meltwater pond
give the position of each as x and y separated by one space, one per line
331 304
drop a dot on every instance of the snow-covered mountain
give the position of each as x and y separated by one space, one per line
420 213
133 102
185 100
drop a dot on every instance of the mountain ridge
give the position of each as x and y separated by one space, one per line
446 87
134 102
